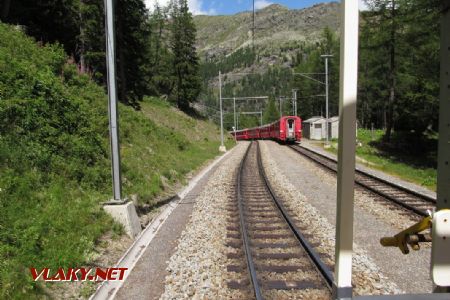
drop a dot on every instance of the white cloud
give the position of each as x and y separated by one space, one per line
363 5
151 3
262 3
195 6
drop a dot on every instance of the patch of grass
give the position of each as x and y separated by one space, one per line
54 160
412 159
160 145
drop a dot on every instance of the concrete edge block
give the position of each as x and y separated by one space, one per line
126 215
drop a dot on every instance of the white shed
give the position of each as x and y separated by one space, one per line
333 127
314 128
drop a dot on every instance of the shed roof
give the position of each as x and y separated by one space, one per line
333 119
315 120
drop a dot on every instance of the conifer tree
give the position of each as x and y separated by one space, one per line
187 82
159 60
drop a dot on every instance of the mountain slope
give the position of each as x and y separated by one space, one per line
275 25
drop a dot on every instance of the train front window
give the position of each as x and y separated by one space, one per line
291 123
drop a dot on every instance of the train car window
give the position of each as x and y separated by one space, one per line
291 123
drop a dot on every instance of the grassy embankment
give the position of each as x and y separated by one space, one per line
403 158
54 160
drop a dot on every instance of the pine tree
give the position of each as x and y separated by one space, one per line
185 60
159 75
132 34
90 50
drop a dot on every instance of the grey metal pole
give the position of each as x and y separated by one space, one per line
253 29
234 111
326 56
295 103
261 118
326 96
440 260
221 112
112 97
372 133
281 112
342 286
294 100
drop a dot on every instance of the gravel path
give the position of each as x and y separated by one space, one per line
198 269
311 192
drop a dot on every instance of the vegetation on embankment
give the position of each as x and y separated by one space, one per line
417 164
54 159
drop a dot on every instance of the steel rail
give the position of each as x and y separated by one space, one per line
315 258
393 184
244 232
361 173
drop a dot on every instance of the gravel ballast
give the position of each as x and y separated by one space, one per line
198 269
361 166
311 192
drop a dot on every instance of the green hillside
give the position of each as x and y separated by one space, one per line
54 159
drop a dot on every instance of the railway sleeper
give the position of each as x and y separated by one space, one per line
290 285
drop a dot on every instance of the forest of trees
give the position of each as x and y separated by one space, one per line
156 55
156 52
399 65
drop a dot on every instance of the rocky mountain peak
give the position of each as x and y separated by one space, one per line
273 8
276 26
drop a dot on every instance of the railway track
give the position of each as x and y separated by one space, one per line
277 255
408 199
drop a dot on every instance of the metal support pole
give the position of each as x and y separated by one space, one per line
222 146
440 257
261 118
326 98
234 111
281 107
295 101
253 28
112 97
342 287
372 133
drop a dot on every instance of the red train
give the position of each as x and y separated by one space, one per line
286 129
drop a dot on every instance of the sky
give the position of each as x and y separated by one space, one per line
226 7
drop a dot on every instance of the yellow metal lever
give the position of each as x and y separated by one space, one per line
409 236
